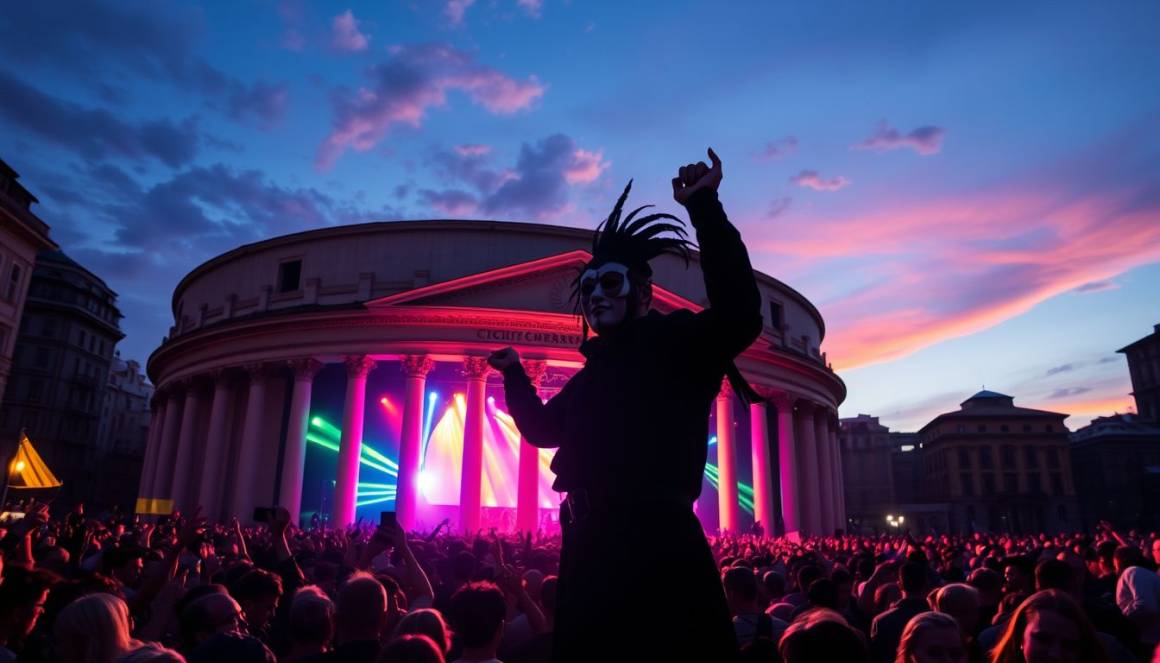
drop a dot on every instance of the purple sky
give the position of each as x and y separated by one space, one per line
970 194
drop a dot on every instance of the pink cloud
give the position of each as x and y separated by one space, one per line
923 140
451 202
585 167
472 150
415 80
812 180
776 149
454 11
532 7
345 35
955 266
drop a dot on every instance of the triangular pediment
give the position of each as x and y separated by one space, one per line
543 285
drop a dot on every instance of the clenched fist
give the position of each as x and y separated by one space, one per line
501 359
696 176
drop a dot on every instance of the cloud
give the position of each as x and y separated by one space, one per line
779 207
532 7
776 149
96 42
1055 370
95 133
812 180
585 167
454 11
536 188
923 140
414 80
451 202
1097 286
1108 360
1068 391
345 35
954 264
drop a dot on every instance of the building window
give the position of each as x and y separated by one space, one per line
1003 429
775 315
13 283
988 484
1010 483
49 329
1053 458
962 429
1026 428
289 275
42 357
1032 456
986 461
964 458
968 485
1050 428
81 336
982 428
1008 456
1056 483
35 391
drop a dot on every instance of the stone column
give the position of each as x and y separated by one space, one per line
840 475
791 503
528 495
187 441
149 467
729 510
217 448
167 454
808 455
826 471
250 455
350 444
475 369
762 467
294 460
416 368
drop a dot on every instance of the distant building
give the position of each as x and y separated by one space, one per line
904 467
60 370
997 467
22 235
1144 367
1117 461
123 432
867 451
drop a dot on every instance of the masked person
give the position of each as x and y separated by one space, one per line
637 578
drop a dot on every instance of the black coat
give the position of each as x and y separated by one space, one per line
637 578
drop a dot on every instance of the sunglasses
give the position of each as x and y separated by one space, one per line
611 280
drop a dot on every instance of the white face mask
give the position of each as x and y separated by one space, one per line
610 280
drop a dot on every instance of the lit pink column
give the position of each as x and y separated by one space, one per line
186 448
787 465
528 495
727 506
808 455
826 471
475 369
250 455
217 448
762 474
416 368
149 467
350 445
294 460
167 454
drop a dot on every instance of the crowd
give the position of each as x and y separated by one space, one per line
115 588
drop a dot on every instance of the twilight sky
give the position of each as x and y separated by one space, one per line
969 192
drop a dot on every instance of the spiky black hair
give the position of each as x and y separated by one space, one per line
634 242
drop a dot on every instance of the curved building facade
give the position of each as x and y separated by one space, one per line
281 351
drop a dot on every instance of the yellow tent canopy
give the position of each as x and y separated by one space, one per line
28 469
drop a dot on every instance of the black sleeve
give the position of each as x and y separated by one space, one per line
733 319
540 423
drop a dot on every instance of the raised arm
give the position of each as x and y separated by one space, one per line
540 423
733 319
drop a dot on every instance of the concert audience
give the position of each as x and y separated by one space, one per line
114 589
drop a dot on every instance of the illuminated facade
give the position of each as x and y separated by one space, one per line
280 349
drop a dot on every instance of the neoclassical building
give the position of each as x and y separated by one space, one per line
341 371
